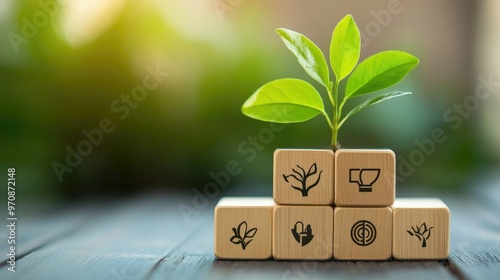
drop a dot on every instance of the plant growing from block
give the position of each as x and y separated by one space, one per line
302 178
295 100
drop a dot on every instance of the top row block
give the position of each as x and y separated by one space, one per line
346 178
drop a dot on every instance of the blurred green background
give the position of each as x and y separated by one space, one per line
63 64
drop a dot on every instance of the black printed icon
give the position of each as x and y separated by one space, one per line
364 177
422 233
302 178
363 233
241 235
302 235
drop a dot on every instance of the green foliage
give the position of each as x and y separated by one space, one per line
373 101
292 100
284 101
379 71
308 54
345 47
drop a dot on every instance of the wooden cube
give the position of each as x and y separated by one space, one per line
303 177
362 233
365 178
421 229
302 232
243 228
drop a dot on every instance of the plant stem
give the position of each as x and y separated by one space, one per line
328 120
336 115
329 91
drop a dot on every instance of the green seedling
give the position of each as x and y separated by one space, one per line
295 100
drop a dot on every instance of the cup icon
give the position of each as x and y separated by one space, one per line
364 177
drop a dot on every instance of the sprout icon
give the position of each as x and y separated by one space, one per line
422 233
302 178
241 235
364 177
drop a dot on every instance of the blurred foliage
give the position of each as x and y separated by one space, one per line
90 53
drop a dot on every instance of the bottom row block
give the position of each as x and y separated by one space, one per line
302 232
257 228
362 233
243 228
421 229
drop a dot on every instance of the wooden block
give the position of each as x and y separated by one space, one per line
362 233
303 177
365 178
243 228
421 229
302 232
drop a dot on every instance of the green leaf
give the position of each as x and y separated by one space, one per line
284 101
308 54
345 47
373 101
379 71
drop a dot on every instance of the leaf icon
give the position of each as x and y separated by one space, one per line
251 233
246 244
241 235
235 240
242 228
409 232
313 169
235 232
285 177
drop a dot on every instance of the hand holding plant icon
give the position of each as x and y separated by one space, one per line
302 178
241 234
422 233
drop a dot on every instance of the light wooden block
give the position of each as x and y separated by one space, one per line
362 233
365 178
421 229
302 232
243 228
303 177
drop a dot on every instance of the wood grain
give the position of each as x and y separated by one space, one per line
146 238
302 232
421 229
475 230
243 228
362 233
365 178
303 177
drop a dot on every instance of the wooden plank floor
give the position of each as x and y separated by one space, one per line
147 238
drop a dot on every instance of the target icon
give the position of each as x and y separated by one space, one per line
363 233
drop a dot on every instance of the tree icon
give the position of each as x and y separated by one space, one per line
241 234
422 233
302 178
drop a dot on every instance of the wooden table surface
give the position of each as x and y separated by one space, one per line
147 238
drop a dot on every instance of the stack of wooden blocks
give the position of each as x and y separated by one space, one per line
327 204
